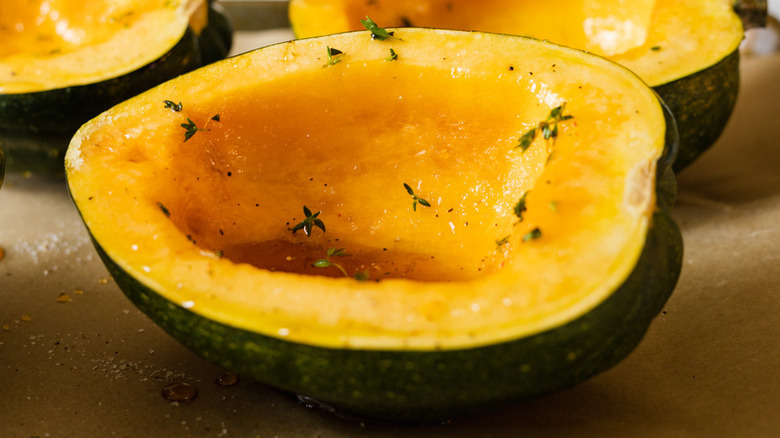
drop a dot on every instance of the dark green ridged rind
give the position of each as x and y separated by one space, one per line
436 385
429 386
216 39
702 104
754 13
36 128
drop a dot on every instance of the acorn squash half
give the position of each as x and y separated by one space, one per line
63 62
686 49
410 229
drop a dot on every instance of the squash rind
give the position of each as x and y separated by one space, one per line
216 39
427 386
702 104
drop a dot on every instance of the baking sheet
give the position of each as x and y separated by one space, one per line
77 359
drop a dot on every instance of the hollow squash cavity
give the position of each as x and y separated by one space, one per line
340 144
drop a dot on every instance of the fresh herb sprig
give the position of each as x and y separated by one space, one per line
520 207
361 275
176 107
416 199
327 262
548 128
191 128
334 56
393 56
164 209
377 33
532 235
308 224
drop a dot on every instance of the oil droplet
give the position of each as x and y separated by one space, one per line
227 379
181 391
314 404
64 298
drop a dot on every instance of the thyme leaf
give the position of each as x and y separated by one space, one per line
191 128
337 252
377 33
327 262
393 56
361 275
415 199
164 209
308 224
532 235
521 207
527 139
547 127
334 56
173 106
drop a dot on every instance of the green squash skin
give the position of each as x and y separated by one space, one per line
2 167
702 104
36 128
216 39
437 385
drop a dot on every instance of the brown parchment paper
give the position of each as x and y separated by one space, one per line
77 359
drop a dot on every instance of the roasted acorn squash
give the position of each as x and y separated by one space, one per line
686 49
410 229
62 62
